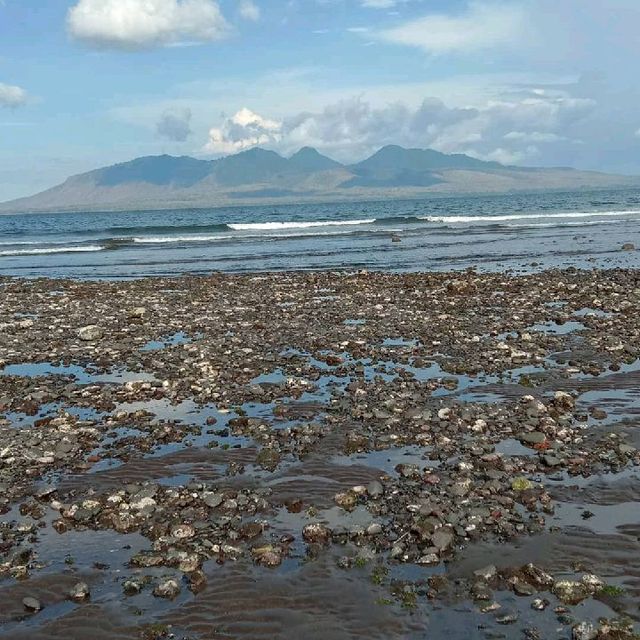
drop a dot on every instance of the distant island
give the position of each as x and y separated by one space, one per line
259 176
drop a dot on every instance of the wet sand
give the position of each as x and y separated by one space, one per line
321 455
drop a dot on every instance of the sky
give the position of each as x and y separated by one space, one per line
87 83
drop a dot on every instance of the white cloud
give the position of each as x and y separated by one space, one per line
243 130
483 26
137 24
12 96
175 124
249 10
534 136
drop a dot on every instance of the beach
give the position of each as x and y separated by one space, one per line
321 454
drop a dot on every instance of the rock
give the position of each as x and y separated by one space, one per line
522 588
592 582
167 589
536 576
486 573
197 581
212 500
521 484
268 459
564 400
90 333
628 246
375 489
442 538
461 488
132 587
138 312
143 504
267 556
183 531
31 604
570 592
79 592
584 631
551 461
533 437
316 533
429 559
347 500
538 604
480 591
534 408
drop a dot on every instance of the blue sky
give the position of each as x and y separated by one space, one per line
84 83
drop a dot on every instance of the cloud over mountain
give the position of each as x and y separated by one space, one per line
509 130
243 130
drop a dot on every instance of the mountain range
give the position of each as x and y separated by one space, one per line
259 176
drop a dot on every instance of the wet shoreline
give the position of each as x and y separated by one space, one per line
321 454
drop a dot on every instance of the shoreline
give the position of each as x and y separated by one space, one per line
375 454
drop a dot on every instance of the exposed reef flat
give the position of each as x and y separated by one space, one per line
321 455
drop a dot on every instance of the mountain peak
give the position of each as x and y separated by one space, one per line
310 159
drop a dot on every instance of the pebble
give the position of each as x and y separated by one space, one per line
90 333
167 589
31 604
79 592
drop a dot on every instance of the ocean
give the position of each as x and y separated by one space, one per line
518 232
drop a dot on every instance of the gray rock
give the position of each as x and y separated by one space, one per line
486 573
31 604
570 592
316 533
79 592
533 437
90 333
507 618
523 588
551 461
212 500
442 538
132 586
584 631
167 589
375 489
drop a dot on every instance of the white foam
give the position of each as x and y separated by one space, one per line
528 216
34 252
245 236
168 239
585 223
274 226
18 244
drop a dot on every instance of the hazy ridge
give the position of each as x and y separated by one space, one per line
258 176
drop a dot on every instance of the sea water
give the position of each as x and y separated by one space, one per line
517 232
